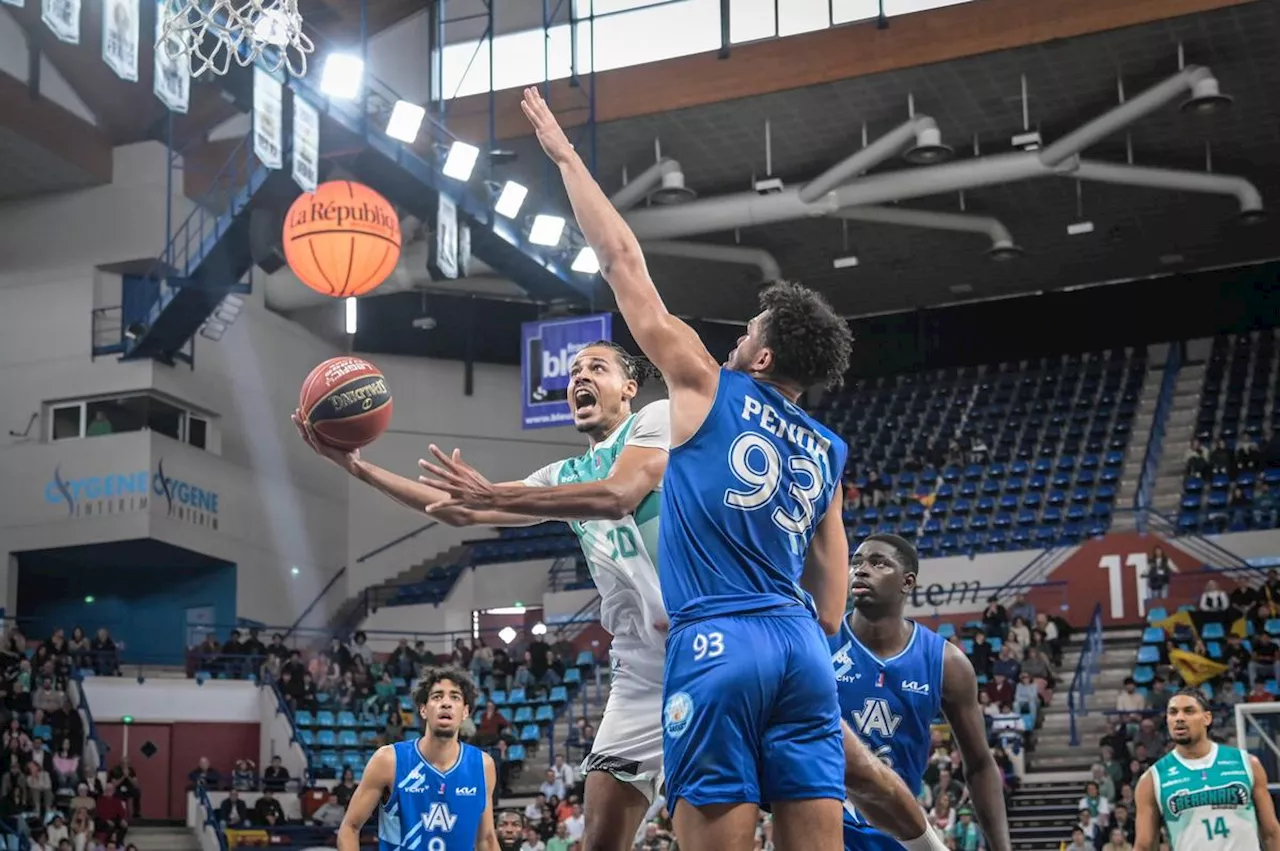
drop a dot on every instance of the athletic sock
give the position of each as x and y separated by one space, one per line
929 841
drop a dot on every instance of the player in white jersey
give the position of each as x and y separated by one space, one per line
610 495
1209 796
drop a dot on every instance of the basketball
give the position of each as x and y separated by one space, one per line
343 239
346 401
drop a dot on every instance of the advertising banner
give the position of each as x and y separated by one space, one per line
547 348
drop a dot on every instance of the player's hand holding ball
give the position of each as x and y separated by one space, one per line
344 404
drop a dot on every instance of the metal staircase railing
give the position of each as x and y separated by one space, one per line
1159 422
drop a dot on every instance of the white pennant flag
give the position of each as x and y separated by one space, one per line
62 17
120 26
306 144
268 119
172 76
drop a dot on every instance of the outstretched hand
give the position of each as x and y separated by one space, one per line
344 458
550 135
466 486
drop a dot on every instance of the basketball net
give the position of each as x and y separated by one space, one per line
212 34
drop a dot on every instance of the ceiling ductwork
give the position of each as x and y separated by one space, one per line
922 130
1002 245
758 257
661 183
747 209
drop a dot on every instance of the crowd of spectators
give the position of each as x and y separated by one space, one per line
1241 497
51 795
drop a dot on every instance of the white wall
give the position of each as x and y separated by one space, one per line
122 221
277 736
165 700
15 61
431 408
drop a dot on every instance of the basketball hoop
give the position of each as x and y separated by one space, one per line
212 34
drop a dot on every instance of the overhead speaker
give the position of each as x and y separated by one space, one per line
266 239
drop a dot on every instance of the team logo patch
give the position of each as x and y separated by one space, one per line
677 714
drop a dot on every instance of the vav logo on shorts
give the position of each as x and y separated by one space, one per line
439 818
876 717
677 714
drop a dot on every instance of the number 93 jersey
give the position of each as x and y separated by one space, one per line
740 502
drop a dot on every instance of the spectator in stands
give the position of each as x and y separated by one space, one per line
66 766
276 776
57 829
339 655
532 842
112 814
565 773
1078 842
1130 699
79 650
1196 460
964 834
533 810
942 816
1021 608
491 727
267 811
1114 768
1037 665
345 789
39 788
1158 573
1214 601
81 828
1265 507
204 775
1026 697
126 783
1259 693
1221 461
1122 820
1158 697
1093 801
1148 737
1106 786
1117 841
360 649
1019 633
980 655
232 812
1263 658
995 620
575 824
402 662
106 656
244 775
255 652
1247 455
552 786
999 689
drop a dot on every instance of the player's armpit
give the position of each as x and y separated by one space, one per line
1147 819
826 566
379 775
1268 825
984 782
487 837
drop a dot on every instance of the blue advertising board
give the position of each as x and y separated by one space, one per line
547 348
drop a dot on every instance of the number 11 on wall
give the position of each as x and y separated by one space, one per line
1114 565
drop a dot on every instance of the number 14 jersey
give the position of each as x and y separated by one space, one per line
1207 803
740 502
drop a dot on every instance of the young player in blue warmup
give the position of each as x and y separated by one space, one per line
893 676
752 557
433 793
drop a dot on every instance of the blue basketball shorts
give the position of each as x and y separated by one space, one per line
867 838
750 712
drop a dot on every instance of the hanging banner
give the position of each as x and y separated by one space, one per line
18 3
173 76
268 119
547 349
62 17
306 144
120 25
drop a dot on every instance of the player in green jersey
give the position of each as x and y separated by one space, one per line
1209 796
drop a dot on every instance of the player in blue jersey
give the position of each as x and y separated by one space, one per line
893 676
433 793
752 556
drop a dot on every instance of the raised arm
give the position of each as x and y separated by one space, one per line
982 775
668 342
379 774
826 567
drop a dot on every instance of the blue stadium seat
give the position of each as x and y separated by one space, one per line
585 659
1156 613
572 676
1212 630
545 713
347 739
1153 635
1143 674
307 737
517 697
1272 626
947 630
326 738
515 753
304 718
325 718
346 719
530 733
1148 654
523 715
498 696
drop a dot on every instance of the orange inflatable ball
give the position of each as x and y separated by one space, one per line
343 239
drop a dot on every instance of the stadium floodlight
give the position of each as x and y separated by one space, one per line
461 161
586 262
546 230
510 200
343 74
406 121
539 628
507 635
352 315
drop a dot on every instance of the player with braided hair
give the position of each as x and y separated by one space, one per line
610 496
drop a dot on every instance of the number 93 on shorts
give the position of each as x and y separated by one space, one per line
750 712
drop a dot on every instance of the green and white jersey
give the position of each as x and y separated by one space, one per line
1207 803
622 554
